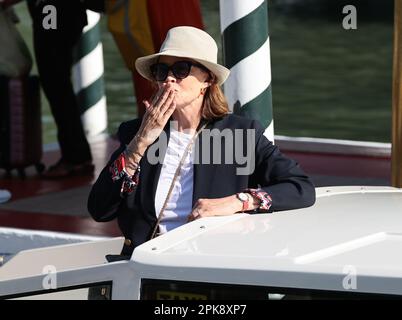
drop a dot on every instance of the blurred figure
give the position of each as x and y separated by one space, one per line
57 27
54 58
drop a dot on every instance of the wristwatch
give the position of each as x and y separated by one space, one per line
243 197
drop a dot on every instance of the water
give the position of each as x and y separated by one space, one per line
327 81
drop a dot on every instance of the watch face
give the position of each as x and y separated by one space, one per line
242 196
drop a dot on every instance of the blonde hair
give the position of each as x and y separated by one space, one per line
214 105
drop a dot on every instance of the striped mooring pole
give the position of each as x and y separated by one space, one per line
246 51
88 77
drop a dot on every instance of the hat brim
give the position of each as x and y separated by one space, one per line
143 65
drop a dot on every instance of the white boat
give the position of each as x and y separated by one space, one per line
345 246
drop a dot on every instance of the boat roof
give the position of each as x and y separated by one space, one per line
350 230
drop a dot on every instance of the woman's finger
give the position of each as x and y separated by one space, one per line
146 104
193 215
161 100
155 97
167 102
169 111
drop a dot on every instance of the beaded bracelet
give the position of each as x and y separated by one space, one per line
265 199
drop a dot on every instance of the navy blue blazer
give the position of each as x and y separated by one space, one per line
281 177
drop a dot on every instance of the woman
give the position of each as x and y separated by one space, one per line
153 187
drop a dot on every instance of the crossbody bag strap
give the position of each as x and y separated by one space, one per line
176 175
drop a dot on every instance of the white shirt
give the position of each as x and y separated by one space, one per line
180 203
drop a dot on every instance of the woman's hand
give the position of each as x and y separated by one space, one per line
157 114
215 207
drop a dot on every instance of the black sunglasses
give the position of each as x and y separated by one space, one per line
180 69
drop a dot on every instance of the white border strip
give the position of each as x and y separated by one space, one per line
334 146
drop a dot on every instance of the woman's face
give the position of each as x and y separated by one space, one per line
188 89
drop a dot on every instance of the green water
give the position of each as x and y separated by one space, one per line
327 82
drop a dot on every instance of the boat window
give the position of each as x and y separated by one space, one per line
152 289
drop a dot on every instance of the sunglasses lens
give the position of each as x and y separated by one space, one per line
181 69
159 71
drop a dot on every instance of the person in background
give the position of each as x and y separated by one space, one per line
151 197
54 58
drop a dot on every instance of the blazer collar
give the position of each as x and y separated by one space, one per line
203 173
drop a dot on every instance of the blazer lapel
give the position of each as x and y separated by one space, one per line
203 173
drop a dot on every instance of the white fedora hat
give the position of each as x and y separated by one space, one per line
186 42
